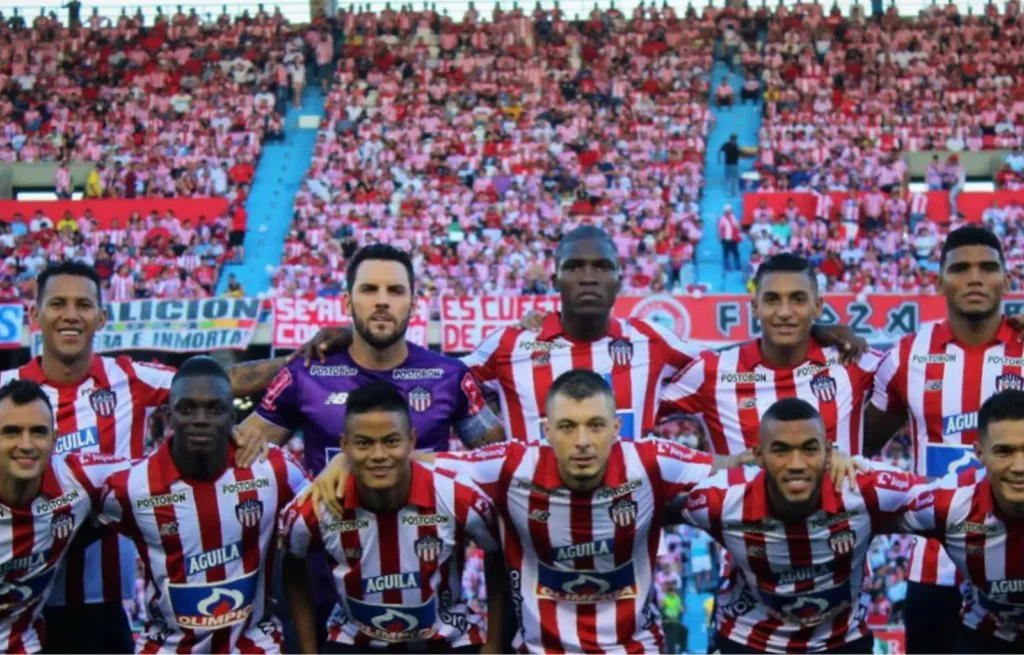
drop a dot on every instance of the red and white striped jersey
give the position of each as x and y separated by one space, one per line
208 549
985 544
399 574
106 412
635 357
34 541
732 388
794 586
941 384
581 565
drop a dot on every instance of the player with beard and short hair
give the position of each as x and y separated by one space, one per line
938 379
442 394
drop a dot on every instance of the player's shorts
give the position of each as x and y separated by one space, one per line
701 563
972 642
863 646
931 614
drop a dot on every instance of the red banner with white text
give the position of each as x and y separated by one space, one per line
716 320
296 320
122 209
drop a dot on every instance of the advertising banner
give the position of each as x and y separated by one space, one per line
12 319
717 320
296 320
889 640
122 209
181 326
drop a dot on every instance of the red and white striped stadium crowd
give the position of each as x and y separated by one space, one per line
476 144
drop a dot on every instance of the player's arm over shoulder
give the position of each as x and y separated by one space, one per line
678 353
473 509
482 466
682 393
298 527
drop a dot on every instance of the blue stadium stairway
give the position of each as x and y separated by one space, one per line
744 121
271 199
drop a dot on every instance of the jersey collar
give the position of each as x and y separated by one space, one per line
751 357
757 506
167 472
421 490
943 333
552 328
548 476
34 371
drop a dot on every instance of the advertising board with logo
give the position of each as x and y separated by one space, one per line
12 319
181 326
297 320
715 320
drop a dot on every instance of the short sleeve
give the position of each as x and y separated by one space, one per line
678 353
703 507
682 395
151 383
477 513
298 528
280 404
679 468
886 394
483 361
113 501
928 506
92 470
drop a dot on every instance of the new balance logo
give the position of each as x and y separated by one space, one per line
338 398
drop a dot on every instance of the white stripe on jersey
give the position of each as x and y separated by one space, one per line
941 384
393 569
205 545
794 586
959 510
581 573
34 542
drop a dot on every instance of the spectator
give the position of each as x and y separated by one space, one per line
672 612
730 152
724 94
94 187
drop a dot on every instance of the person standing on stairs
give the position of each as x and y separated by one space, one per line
730 233
730 151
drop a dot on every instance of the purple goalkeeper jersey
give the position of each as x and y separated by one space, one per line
441 391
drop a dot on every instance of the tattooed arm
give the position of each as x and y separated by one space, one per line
251 378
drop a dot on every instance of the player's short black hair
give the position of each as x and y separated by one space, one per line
584 233
376 397
579 384
785 262
72 268
1007 405
23 392
971 235
201 366
379 252
791 409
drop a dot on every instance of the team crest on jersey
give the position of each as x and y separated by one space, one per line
540 358
933 385
748 403
428 548
842 542
168 529
249 512
62 525
1009 381
104 402
623 512
824 388
420 399
621 352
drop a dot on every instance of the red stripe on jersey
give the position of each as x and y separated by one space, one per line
427 567
625 619
352 545
250 534
465 497
843 565
211 537
581 518
672 358
74 565
746 395
757 558
138 442
171 542
975 542
542 380
23 539
512 546
974 364
719 444
390 553
551 639
932 401
800 556
829 409
105 425
505 371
